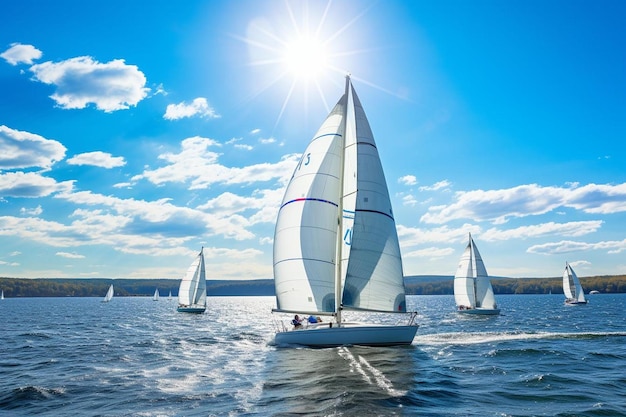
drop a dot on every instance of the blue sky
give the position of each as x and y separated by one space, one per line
133 133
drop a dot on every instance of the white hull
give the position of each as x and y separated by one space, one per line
481 311
191 309
574 302
348 334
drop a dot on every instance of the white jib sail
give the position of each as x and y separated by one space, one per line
472 287
373 277
567 289
192 289
579 293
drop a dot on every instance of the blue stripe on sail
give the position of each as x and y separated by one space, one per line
309 199
325 134
348 214
378 212
367 143
304 259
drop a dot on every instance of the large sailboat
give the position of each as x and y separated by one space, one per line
109 295
155 297
571 282
192 290
335 243
472 288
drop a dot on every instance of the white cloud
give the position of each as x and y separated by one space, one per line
70 255
498 206
267 141
80 81
431 253
408 180
567 246
409 200
255 131
573 229
36 211
30 185
199 166
198 107
154 219
20 149
21 54
98 158
436 186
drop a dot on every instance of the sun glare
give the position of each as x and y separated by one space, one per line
305 58
302 48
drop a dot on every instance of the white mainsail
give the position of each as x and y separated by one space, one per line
192 291
109 294
570 279
155 297
472 286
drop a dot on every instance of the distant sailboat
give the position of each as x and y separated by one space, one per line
472 288
2 295
335 243
192 291
155 297
571 281
109 295
169 297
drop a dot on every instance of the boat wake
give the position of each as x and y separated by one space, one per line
371 375
462 338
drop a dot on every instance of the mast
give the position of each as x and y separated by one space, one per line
339 243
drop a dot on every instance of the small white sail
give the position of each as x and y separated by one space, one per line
155 297
570 280
473 292
2 295
109 295
335 243
192 291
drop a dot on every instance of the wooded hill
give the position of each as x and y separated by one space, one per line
417 284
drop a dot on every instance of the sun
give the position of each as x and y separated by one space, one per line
303 49
306 57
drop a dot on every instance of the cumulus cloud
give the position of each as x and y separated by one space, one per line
408 180
36 211
70 255
436 186
154 219
80 81
20 149
98 159
21 54
30 185
198 107
573 229
498 206
568 246
431 253
199 166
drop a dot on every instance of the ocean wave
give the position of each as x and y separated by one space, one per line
466 338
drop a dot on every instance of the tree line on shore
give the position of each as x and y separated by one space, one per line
415 285
603 284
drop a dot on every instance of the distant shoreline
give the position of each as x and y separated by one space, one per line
415 285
